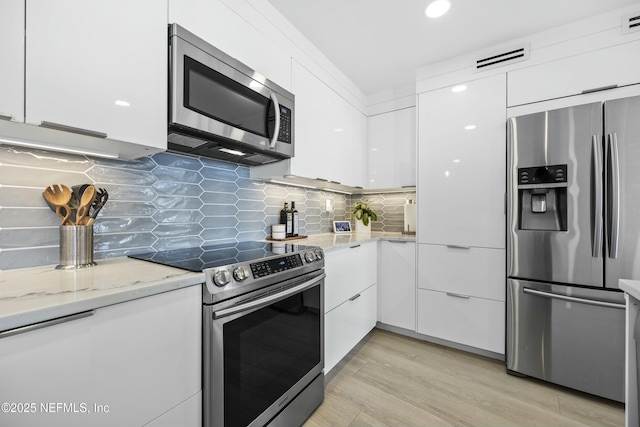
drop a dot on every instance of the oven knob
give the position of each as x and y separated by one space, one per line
318 254
240 274
310 256
221 277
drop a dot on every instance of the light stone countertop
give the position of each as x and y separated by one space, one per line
331 241
38 294
632 287
32 295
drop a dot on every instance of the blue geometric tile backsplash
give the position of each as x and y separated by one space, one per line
164 201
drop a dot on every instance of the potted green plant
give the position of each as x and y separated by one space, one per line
363 216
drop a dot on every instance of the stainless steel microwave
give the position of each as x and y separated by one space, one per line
220 108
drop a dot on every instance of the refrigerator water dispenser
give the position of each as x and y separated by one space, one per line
542 198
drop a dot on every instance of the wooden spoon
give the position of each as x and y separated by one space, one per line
86 200
59 196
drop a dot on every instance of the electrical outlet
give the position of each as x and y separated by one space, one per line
327 205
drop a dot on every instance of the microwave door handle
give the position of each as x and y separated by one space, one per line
276 129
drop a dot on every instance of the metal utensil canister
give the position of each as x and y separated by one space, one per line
76 247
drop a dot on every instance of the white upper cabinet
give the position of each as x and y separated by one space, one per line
100 67
12 53
330 134
391 139
312 122
617 65
348 145
461 151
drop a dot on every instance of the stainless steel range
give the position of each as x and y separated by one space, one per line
263 330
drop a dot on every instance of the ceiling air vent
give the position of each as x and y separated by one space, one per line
502 58
631 23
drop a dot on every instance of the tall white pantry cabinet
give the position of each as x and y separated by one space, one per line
461 187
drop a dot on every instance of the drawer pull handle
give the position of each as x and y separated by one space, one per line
599 89
46 324
451 294
5 116
355 297
458 247
353 247
72 129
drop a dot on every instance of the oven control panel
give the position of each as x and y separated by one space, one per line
275 265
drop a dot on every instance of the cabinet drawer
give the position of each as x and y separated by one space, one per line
478 272
475 322
349 271
347 324
559 78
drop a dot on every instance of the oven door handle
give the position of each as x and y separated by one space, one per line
263 302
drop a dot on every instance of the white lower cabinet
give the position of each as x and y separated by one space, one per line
397 284
475 322
347 324
127 364
349 271
350 299
461 295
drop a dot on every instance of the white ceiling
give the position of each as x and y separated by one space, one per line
379 44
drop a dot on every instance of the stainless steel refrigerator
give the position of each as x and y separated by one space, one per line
573 231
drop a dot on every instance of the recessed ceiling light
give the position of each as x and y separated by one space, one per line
459 88
470 127
437 8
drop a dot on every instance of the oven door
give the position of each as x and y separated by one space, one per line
262 351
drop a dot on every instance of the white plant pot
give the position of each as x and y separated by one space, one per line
361 228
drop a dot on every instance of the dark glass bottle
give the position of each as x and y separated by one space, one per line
295 216
283 213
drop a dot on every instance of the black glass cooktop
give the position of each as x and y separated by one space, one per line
201 258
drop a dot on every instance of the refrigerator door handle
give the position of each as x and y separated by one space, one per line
573 299
614 199
596 201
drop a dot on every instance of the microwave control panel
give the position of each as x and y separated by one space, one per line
285 125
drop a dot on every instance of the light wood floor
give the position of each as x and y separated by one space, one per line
392 380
